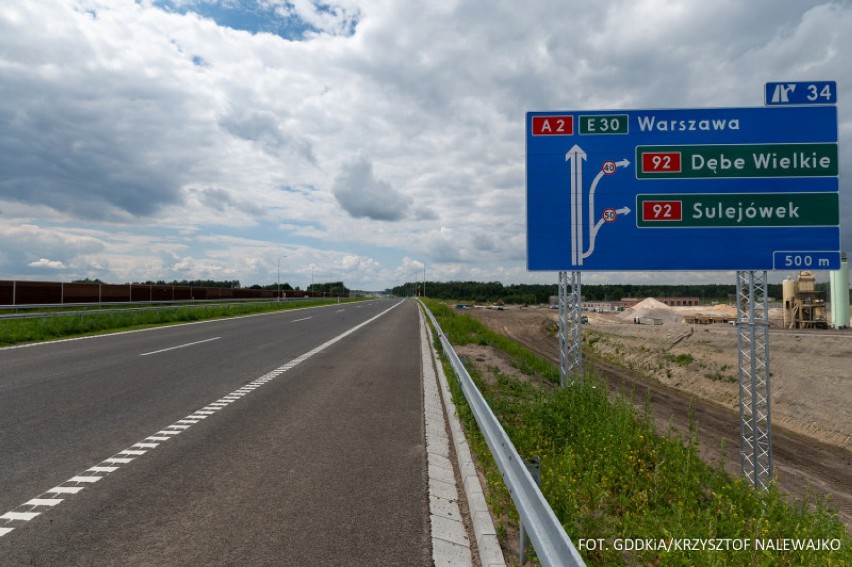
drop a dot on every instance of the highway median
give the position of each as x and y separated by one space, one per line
81 323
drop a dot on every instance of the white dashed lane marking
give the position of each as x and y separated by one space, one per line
34 507
180 346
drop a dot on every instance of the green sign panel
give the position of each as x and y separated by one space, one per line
718 210
736 161
604 124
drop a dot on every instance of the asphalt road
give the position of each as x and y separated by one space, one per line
204 445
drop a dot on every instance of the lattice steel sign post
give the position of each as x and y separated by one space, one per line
755 400
570 333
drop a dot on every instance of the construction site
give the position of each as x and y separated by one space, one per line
686 356
802 306
690 372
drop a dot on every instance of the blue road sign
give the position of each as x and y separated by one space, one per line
693 189
800 93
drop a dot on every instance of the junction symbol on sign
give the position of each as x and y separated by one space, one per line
579 224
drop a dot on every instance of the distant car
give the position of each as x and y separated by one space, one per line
554 307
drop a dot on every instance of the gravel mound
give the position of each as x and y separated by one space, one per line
653 309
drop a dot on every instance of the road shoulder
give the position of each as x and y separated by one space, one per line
451 471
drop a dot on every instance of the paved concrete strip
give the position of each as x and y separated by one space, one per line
490 553
450 542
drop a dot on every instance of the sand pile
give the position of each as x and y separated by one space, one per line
653 309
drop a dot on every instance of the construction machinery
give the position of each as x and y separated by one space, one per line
804 305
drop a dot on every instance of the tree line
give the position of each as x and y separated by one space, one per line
531 294
327 287
232 284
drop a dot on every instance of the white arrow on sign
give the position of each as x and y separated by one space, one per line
593 231
576 156
601 173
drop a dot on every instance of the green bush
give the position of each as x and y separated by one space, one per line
684 359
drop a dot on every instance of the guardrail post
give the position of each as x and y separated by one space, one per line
534 466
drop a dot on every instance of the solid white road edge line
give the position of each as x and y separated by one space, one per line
35 506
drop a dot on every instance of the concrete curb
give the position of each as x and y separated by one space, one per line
450 540
490 553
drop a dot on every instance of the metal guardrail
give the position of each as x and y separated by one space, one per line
552 545
62 311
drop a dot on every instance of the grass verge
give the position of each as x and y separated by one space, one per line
18 331
632 496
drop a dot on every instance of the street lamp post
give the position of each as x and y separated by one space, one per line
278 294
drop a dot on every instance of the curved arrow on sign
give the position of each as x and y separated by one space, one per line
593 230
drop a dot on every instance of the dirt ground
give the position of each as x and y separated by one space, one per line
696 366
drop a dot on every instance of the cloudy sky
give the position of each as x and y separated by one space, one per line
346 139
